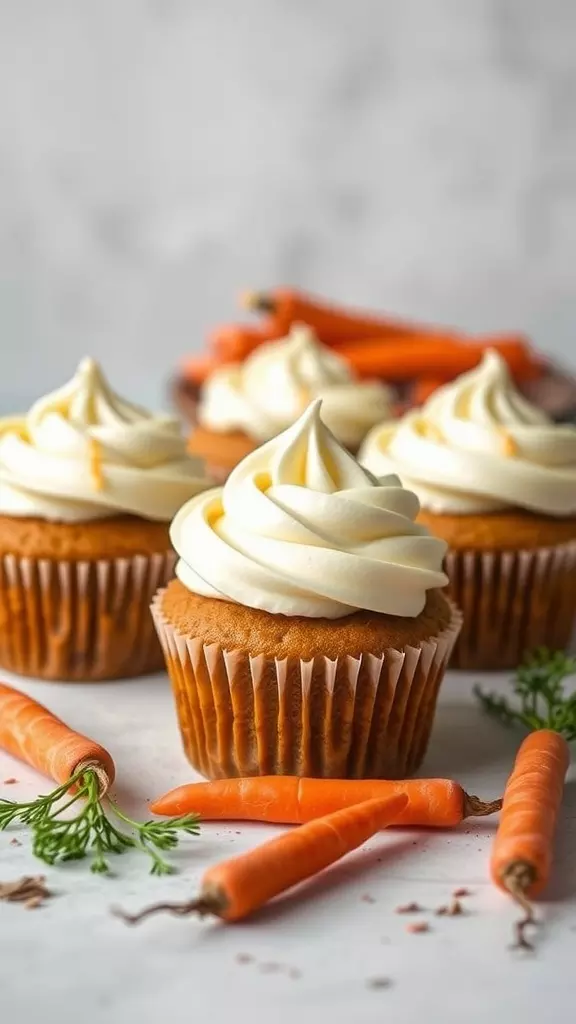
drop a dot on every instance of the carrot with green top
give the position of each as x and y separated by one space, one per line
236 888
286 799
85 771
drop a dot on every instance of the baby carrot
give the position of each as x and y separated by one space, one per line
197 369
85 771
333 324
286 799
433 357
424 387
236 888
523 847
231 343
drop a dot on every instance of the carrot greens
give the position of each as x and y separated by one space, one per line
543 702
90 831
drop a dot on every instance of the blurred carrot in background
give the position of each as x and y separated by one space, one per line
333 324
434 357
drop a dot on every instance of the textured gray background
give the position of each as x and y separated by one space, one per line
156 155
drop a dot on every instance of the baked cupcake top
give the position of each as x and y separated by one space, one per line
84 453
272 388
301 529
478 446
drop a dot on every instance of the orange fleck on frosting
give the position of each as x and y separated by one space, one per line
96 464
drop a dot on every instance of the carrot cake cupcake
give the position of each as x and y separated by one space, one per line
245 404
88 486
496 480
306 632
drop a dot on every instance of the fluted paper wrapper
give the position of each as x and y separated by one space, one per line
81 621
366 717
512 603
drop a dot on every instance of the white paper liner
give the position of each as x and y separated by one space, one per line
81 621
367 717
512 602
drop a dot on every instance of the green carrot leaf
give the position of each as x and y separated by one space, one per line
541 698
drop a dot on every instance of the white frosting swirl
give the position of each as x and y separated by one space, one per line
478 446
301 529
272 388
84 453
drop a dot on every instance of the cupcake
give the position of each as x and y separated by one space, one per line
306 632
88 486
497 481
244 404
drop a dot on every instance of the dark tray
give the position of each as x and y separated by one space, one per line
555 393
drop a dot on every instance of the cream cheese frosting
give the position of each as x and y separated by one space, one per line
300 528
478 446
84 453
271 389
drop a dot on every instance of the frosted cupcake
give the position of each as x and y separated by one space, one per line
306 632
497 480
88 486
245 404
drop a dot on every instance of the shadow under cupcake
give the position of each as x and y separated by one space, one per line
306 632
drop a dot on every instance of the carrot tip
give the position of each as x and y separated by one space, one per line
476 808
257 302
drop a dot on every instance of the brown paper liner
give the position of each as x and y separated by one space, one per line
367 717
512 602
81 621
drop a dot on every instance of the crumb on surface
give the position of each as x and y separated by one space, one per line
453 909
244 958
11 781
459 893
417 927
29 890
409 908
367 898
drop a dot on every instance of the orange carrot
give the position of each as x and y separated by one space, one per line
236 888
33 734
197 369
286 799
85 771
424 387
523 847
233 342
425 357
286 306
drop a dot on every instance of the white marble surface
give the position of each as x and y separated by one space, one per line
156 155
71 961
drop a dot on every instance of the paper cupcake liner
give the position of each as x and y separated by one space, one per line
80 621
366 717
512 602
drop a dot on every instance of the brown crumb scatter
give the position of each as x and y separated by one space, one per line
15 842
409 908
418 927
31 891
460 893
379 982
10 782
244 958
367 898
